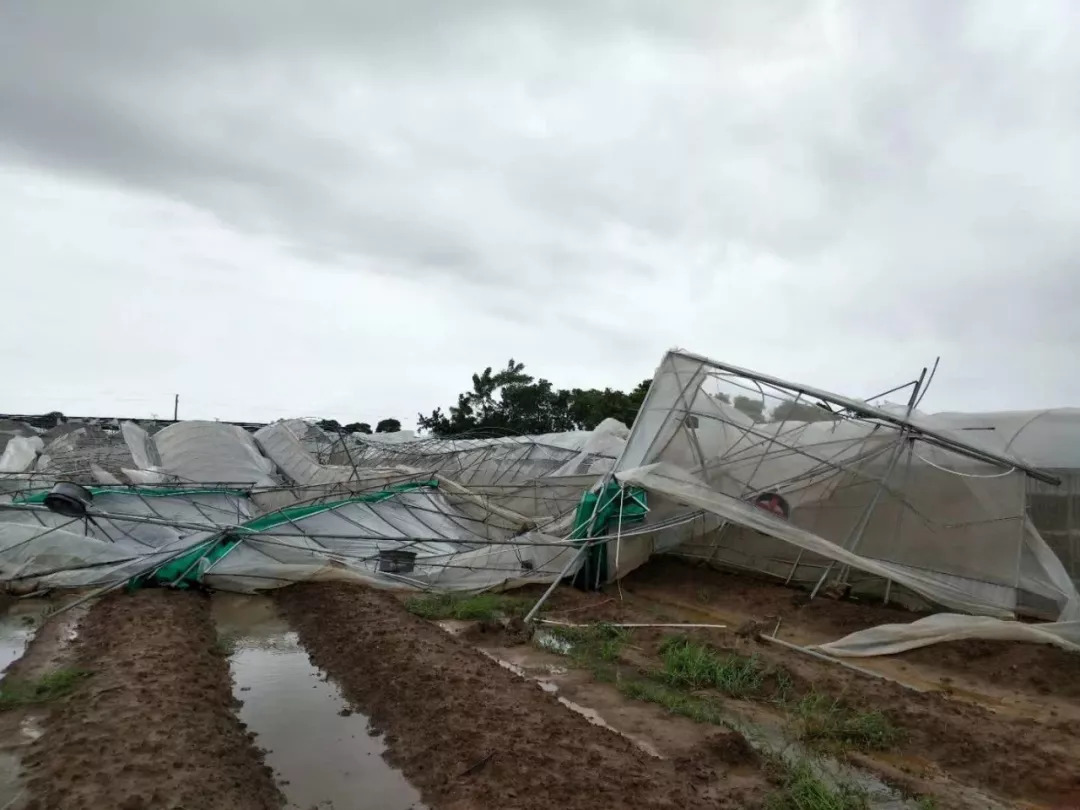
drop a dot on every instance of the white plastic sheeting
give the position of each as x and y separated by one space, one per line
902 500
1047 438
284 447
890 639
940 587
212 452
493 513
454 549
40 548
20 453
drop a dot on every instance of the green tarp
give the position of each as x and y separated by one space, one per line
598 513
186 571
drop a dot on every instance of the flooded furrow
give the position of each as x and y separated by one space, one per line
31 644
322 752
145 716
471 733
17 627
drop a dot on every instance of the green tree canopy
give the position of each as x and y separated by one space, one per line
791 411
754 408
387 426
511 401
357 427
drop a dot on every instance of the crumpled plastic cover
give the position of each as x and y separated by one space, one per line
20 453
889 639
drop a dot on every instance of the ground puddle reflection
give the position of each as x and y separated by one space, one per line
17 628
321 752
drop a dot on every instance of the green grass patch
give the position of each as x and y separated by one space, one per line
830 721
602 641
595 647
467 607
801 789
698 709
224 646
47 688
691 665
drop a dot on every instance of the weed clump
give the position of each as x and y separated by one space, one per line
829 720
802 789
467 607
49 687
698 709
594 647
688 664
224 646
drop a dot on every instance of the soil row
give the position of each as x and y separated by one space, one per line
151 725
1012 756
470 734
1037 668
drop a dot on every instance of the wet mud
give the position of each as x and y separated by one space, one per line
962 731
31 645
152 723
987 666
319 748
472 734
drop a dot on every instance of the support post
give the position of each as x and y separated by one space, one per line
852 541
555 583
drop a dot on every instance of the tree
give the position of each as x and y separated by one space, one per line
357 427
511 401
590 407
754 408
329 425
791 411
387 426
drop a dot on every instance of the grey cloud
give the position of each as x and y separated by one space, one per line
907 162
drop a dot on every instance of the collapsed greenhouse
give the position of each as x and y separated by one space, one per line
879 500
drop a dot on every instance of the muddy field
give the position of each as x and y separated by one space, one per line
131 702
997 716
671 587
471 734
150 721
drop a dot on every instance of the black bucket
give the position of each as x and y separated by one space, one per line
397 562
68 499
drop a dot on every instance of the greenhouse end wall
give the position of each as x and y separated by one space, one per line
1055 511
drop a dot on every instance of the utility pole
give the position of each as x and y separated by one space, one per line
176 407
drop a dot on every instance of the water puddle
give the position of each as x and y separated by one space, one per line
321 752
17 628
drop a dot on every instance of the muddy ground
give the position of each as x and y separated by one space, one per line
151 723
470 734
1000 716
1035 668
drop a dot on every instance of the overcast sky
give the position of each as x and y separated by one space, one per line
343 209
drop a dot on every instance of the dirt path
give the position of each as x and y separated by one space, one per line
152 724
471 734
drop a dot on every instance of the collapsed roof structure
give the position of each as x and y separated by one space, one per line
830 492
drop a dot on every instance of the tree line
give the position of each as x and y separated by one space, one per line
511 401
